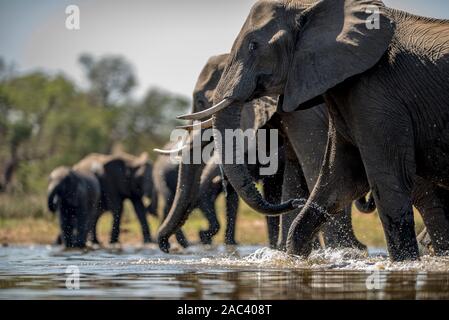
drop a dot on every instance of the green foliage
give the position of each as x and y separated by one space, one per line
150 121
111 77
47 121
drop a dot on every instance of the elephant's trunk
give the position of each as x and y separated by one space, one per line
53 199
186 192
366 206
238 174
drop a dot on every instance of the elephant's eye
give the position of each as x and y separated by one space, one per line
252 46
200 104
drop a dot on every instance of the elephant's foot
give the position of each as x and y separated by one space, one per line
230 241
205 237
164 244
184 243
402 246
304 230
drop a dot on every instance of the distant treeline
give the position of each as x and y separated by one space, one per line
47 120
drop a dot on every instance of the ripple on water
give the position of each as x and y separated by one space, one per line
326 259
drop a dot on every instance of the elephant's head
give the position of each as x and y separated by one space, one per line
254 117
62 188
189 174
297 49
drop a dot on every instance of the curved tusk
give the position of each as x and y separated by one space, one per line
204 125
172 151
208 112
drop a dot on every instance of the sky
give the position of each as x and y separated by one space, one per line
168 42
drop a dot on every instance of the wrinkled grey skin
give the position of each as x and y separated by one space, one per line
75 195
121 177
165 175
189 178
338 232
387 94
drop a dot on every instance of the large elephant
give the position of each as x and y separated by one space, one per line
121 177
338 232
191 175
383 76
75 195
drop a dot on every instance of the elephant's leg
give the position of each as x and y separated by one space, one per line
66 224
153 207
141 215
58 240
82 227
180 237
394 204
209 191
273 226
94 230
342 178
94 215
273 193
207 206
431 202
117 210
338 232
232 204
391 170
294 186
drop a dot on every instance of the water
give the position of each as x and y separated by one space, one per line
244 272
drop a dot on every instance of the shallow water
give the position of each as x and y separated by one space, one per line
244 272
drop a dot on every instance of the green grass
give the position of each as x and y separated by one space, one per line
24 219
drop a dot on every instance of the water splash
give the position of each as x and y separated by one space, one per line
325 259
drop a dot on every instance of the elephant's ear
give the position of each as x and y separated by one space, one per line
336 40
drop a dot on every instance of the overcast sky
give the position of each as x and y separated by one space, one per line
168 42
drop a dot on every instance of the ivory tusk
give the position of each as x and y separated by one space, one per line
172 151
203 125
208 112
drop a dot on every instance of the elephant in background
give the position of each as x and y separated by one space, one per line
75 195
121 177
386 94
337 233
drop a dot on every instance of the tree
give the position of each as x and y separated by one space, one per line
111 78
150 121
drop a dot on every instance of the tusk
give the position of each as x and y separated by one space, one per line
208 112
172 151
204 125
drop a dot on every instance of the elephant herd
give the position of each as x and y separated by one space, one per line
359 94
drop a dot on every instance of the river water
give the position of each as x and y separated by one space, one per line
216 272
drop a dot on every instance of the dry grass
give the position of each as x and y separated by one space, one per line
24 221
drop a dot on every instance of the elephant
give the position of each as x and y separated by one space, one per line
165 175
75 195
382 75
338 232
122 176
190 174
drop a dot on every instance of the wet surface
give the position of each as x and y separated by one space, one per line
39 272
